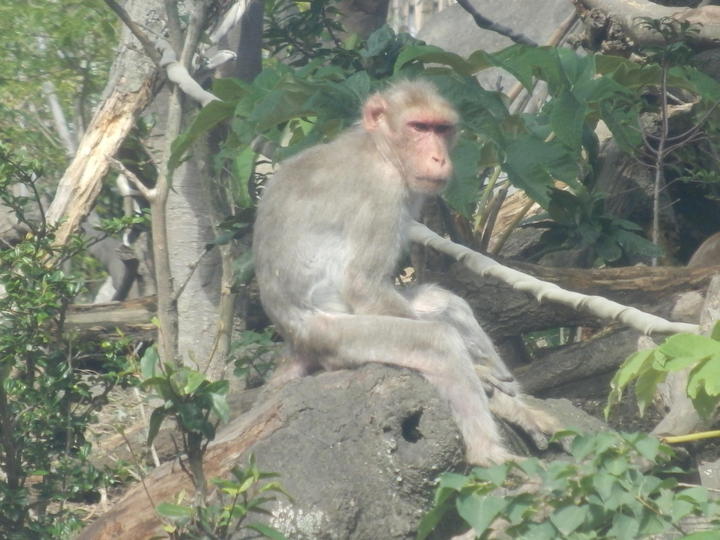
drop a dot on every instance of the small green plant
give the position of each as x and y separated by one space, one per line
649 367
237 498
190 399
251 354
49 392
615 486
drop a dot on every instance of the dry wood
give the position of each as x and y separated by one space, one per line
81 183
134 516
131 317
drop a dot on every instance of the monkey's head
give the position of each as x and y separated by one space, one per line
412 123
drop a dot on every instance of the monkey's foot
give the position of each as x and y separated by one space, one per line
536 423
486 456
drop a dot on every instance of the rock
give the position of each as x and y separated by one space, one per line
359 452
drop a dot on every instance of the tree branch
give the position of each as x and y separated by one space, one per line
487 24
597 305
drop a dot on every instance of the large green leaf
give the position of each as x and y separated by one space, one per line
533 165
463 191
479 510
432 54
209 116
690 345
567 119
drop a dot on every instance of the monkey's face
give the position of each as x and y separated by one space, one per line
425 140
414 128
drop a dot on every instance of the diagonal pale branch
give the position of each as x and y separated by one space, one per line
81 183
541 290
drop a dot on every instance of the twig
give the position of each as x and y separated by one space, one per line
192 267
597 305
513 225
487 24
676 439
146 192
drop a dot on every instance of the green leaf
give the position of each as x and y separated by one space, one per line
174 512
452 481
462 193
495 475
435 55
380 40
624 527
149 362
569 518
533 165
691 345
707 376
243 167
478 510
680 509
648 447
209 116
193 381
268 531
703 535
156 419
432 518
230 89
567 118
220 406
633 366
645 387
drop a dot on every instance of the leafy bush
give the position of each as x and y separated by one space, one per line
615 486
48 394
649 367
290 107
245 494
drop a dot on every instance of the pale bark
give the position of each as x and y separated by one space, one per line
541 290
126 95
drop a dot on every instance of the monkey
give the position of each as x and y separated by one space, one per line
329 232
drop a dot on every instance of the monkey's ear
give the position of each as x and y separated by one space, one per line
373 111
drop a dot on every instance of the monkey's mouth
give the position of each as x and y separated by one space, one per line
439 182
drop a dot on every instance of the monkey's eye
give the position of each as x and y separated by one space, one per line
443 129
420 126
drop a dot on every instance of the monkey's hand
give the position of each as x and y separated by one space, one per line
492 380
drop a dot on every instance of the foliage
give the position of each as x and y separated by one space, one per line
189 396
251 353
190 399
615 486
246 493
650 367
65 47
49 392
297 106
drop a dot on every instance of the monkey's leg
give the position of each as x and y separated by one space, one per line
434 349
434 303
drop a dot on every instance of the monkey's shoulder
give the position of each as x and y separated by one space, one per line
348 156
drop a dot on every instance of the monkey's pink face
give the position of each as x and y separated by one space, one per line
426 142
